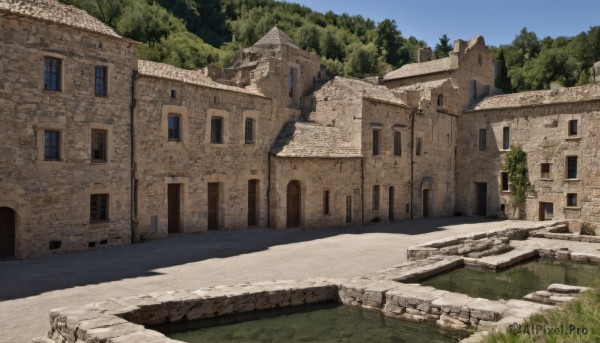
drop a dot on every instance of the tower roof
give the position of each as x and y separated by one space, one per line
275 37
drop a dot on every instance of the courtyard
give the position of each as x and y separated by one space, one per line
30 288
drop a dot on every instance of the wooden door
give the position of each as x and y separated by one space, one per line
391 204
482 199
252 191
174 208
7 232
425 203
293 204
213 206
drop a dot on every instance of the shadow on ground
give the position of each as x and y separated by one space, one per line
23 278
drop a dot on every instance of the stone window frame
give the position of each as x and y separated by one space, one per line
225 116
293 83
98 197
326 201
568 175
573 131
104 80
109 138
440 99
546 175
104 158
571 200
482 139
253 115
376 141
183 113
41 143
505 138
61 82
504 182
397 142
174 131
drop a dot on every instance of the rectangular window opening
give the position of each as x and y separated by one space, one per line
249 131
100 88
482 139
376 142
51 145
571 199
504 176
397 143
98 208
573 127
216 130
174 127
419 146
506 138
571 167
52 73
545 171
326 202
440 100
99 144
375 199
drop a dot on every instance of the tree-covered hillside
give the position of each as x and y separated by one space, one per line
196 33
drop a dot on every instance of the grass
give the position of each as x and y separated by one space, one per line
582 313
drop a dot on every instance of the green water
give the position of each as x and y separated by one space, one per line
516 281
315 323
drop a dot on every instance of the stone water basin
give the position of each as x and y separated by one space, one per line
516 281
328 322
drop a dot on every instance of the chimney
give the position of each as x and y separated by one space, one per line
459 47
425 54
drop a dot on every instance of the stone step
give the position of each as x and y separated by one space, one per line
503 260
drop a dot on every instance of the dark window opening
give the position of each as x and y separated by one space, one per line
573 127
503 208
480 59
375 199
52 73
173 93
91 244
397 143
376 142
51 145
545 170
291 82
504 176
482 139
571 199
571 167
99 144
440 100
249 131
98 208
407 208
418 147
104 242
53 245
174 128
325 202
216 130
474 89
506 138
100 88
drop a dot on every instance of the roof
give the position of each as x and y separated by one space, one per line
56 12
275 37
355 87
423 68
167 71
539 98
300 139
419 86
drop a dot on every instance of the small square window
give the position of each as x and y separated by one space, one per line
52 145
174 127
397 143
52 74
98 208
545 170
249 131
571 199
573 127
504 177
99 144
100 81
216 130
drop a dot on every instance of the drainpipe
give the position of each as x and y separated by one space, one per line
412 159
133 195
362 190
269 190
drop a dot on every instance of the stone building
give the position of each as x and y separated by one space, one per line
106 149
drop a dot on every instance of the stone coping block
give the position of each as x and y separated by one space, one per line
502 261
414 271
122 320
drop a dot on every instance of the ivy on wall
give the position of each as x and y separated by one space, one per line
515 164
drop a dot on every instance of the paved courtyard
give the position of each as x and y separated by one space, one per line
30 288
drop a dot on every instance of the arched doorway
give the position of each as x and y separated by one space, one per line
7 232
293 204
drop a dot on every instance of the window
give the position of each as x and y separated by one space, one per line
99 140
249 131
571 167
375 200
216 130
325 202
573 127
418 147
98 208
440 100
173 94
51 145
376 142
474 89
571 199
397 143
482 139
480 59
291 82
545 170
174 127
100 81
52 74
506 138
504 176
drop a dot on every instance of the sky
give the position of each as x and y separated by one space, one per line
497 21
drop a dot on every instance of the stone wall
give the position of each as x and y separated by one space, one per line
52 198
193 162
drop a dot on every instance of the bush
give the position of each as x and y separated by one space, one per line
587 229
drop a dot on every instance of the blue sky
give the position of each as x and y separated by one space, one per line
497 21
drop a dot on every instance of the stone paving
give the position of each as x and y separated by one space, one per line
31 288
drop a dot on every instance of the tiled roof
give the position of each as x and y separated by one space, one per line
56 12
355 87
539 98
298 139
274 37
167 71
419 86
423 68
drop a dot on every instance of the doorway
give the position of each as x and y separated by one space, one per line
213 206
293 204
391 203
174 207
546 211
252 192
426 203
481 198
7 232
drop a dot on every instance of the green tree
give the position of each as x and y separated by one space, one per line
443 48
363 61
502 79
515 164
308 37
388 41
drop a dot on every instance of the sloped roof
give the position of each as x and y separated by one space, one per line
299 139
540 98
167 71
355 87
419 86
423 68
275 37
56 12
